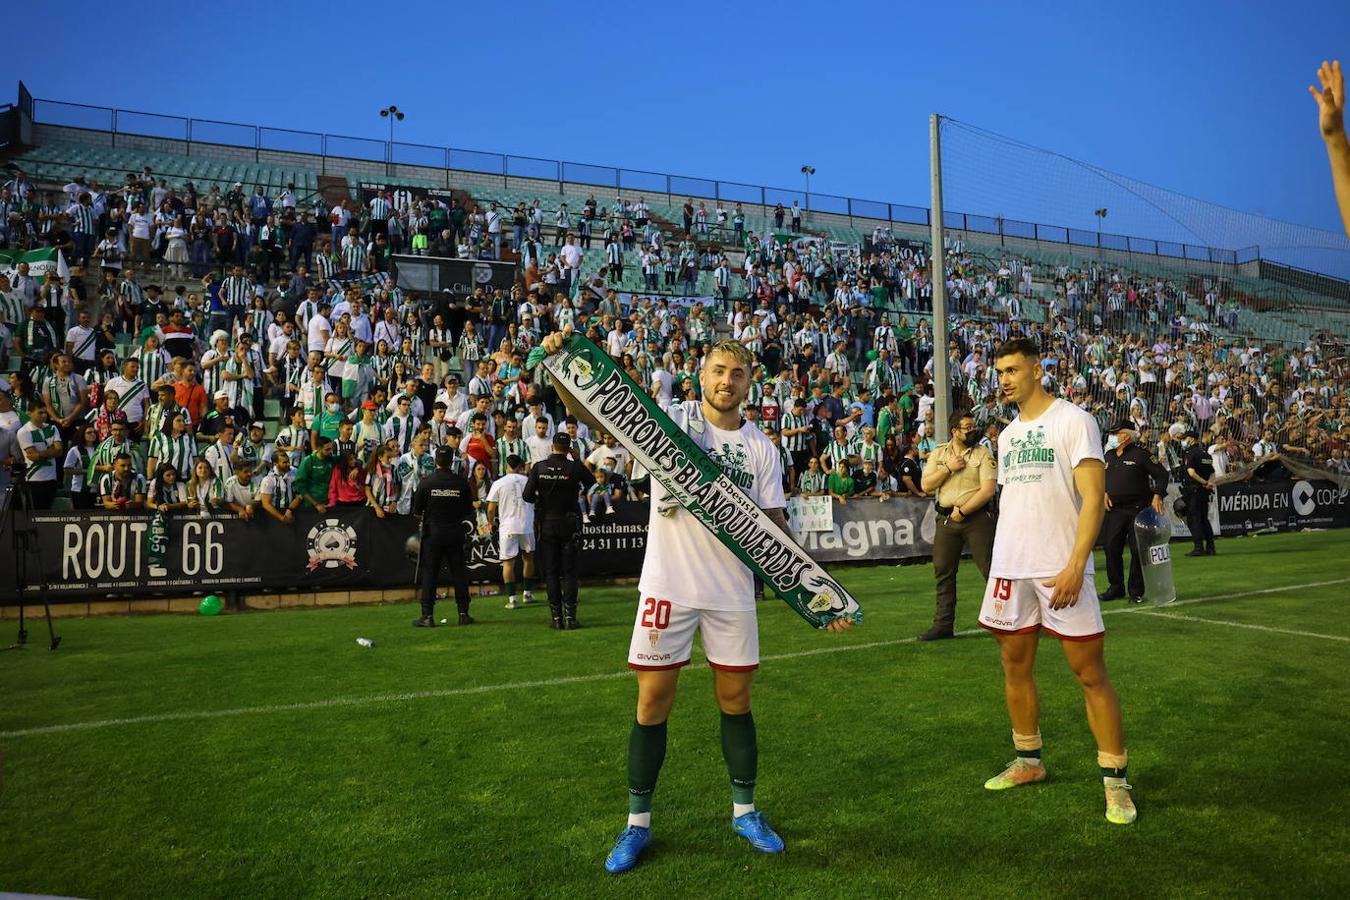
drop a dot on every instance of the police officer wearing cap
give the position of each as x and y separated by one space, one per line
554 486
1199 466
444 501
1134 479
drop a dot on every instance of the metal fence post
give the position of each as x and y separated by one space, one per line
113 135
257 143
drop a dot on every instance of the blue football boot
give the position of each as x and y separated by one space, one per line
628 848
753 827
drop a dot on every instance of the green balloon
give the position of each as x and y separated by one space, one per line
871 354
211 605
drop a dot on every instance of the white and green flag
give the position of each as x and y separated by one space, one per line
40 262
697 481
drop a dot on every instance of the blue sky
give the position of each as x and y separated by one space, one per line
1205 98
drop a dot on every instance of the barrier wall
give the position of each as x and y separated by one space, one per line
93 555
89 555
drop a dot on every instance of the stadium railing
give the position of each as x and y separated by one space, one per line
53 171
205 136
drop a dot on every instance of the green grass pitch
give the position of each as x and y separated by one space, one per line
268 755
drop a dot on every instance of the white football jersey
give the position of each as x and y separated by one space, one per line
1038 509
684 563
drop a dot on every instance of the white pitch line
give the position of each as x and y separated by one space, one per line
1312 634
378 699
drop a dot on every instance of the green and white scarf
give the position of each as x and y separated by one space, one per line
696 481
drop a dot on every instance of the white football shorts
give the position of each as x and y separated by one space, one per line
663 637
1015 605
511 545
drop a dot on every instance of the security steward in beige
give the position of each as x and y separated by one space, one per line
964 475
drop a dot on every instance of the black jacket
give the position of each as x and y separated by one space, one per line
1134 475
555 484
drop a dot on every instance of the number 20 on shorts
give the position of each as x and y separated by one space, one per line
655 613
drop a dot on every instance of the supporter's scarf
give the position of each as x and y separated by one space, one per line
696 481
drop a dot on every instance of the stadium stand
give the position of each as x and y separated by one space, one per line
1256 366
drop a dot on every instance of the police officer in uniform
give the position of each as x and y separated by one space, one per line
1199 467
554 486
1134 479
963 477
444 501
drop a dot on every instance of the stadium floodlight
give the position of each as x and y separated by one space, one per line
808 171
1101 217
393 114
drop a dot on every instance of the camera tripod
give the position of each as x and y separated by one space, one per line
24 540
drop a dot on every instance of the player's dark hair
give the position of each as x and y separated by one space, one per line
514 462
1018 346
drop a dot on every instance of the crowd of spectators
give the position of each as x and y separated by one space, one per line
134 395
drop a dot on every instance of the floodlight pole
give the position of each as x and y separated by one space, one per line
942 387
391 113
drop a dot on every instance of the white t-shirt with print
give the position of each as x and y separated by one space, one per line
1038 509
540 449
684 563
514 515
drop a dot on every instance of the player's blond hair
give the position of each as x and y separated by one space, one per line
736 350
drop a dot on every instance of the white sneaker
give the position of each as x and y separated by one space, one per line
610 511
525 598
586 517
511 602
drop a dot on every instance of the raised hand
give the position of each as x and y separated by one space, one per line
1330 99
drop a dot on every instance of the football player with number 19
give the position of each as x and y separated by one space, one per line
1053 474
691 582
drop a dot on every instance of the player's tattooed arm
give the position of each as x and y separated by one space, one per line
779 517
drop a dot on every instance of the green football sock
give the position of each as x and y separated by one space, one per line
646 753
526 582
742 755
